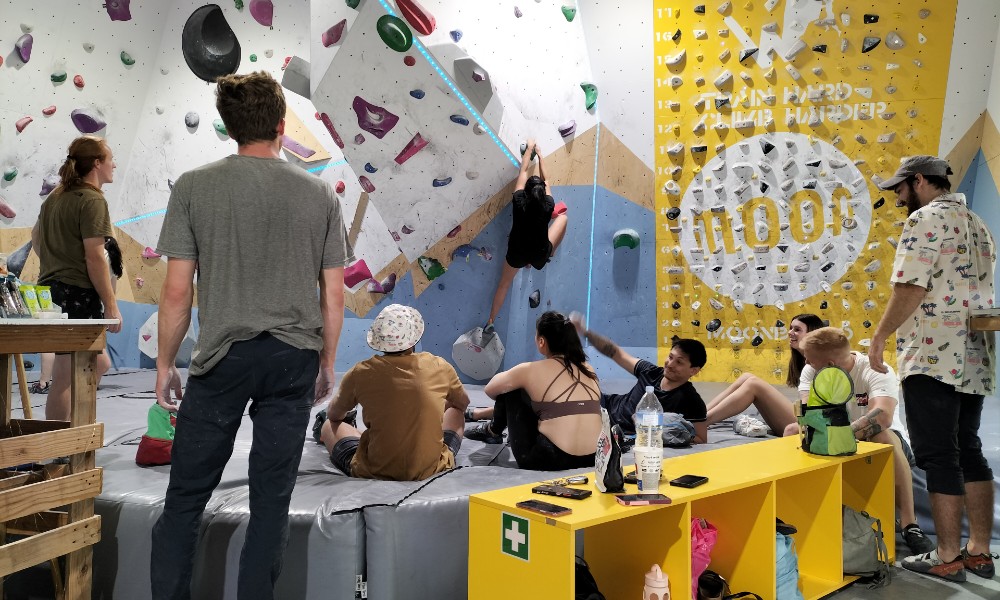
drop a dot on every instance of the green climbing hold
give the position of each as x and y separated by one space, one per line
253 58
569 12
626 238
591 92
58 76
239 4
353 3
524 147
127 59
394 32
431 267
220 127
10 174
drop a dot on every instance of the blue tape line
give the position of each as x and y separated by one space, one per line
593 215
479 119
342 161
155 213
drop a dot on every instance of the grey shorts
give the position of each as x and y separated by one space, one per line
345 449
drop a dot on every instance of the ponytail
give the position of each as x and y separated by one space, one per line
561 335
83 153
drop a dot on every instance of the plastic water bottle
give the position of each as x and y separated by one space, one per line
657 585
648 449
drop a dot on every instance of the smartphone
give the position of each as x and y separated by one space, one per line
641 499
545 508
689 481
561 491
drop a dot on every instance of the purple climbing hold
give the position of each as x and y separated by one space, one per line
356 273
370 168
441 182
567 129
21 123
459 119
456 34
366 184
373 119
49 183
412 147
359 139
407 230
454 231
23 46
296 147
87 120
333 132
464 251
118 10
386 286
518 13
418 94
148 252
478 75
262 11
394 32
333 35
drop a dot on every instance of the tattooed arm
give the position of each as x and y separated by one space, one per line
605 346
878 418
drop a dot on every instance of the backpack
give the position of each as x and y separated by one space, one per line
865 553
825 422
586 585
608 458
787 568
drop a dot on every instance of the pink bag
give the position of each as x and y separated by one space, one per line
703 536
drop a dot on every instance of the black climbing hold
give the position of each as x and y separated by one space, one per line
676 305
717 268
823 305
535 299
713 325
756 341
821 48
673 213
699 149
676 36
699 9
758 305
869 19
766 146
813 163
870 43
747 53
209 45
880 202
867 324
764 187
696 323
779 323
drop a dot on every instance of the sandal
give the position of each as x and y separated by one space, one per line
38 388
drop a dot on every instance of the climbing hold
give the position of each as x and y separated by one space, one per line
384 287
394 32
371 169
49 183
170 184
567 129
49 111
869 19
441 182
58 76
478 75
409 60
723 78
472 174
340 187
220 127
590 93
821 48
356 273
412 147
9 173
366 184
569 12
478 129
699 9
333 35
524 148
455 231
766 146
724 7
238 4
126 58
431 267
418 94
139 282
535 298
359 139
417 16
262 11
893 41
720 103
518 13
209 45
148 252
795 49
5 209
756 341
924 13
673 213
376 120
159 110
118 10
713 325
464 251
626 238
88 47
456 34
296 147
823 305
879 203
325 118
407 230
353 3
192 120
747 53
459 119
23 47
21 123
870 43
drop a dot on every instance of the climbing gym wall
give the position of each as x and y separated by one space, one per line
774 120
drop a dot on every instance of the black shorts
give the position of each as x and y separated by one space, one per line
77 302
344 450
518 259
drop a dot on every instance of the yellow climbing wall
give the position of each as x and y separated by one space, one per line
765 200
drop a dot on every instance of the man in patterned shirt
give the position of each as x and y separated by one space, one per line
942 272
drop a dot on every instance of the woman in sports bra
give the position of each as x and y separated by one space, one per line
550 407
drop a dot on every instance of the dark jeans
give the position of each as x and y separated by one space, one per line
944 431
279 382
531 449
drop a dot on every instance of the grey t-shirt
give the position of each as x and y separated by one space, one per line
261 230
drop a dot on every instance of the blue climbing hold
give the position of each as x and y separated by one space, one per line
459 119
370 168
456 34
418 94
441 182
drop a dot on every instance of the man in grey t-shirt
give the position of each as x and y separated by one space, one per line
259 234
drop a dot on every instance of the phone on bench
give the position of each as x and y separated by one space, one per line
544 508
641 499
689 481
561 491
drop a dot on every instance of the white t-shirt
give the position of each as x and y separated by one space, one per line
868 383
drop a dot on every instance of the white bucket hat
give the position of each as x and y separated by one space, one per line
395 329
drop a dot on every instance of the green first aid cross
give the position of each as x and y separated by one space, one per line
514 536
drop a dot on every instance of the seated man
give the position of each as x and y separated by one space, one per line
412 405
670 382
875 398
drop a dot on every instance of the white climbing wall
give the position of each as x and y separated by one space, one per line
60 31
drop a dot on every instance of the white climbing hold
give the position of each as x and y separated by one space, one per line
893 41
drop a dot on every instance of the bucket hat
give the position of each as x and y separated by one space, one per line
395 329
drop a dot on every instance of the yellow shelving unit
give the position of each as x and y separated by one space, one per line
526 555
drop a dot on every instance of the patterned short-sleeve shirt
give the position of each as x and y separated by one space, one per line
948 250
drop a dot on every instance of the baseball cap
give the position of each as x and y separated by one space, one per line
395 329
912 165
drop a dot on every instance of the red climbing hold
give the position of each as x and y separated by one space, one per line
417 16
5 210
332 35
409 60
366 184
333 132
78 81
51 110
340 187
412 147
22 123
288 59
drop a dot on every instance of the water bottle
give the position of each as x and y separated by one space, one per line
648 449
657 586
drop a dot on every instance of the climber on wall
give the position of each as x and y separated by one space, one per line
533 239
